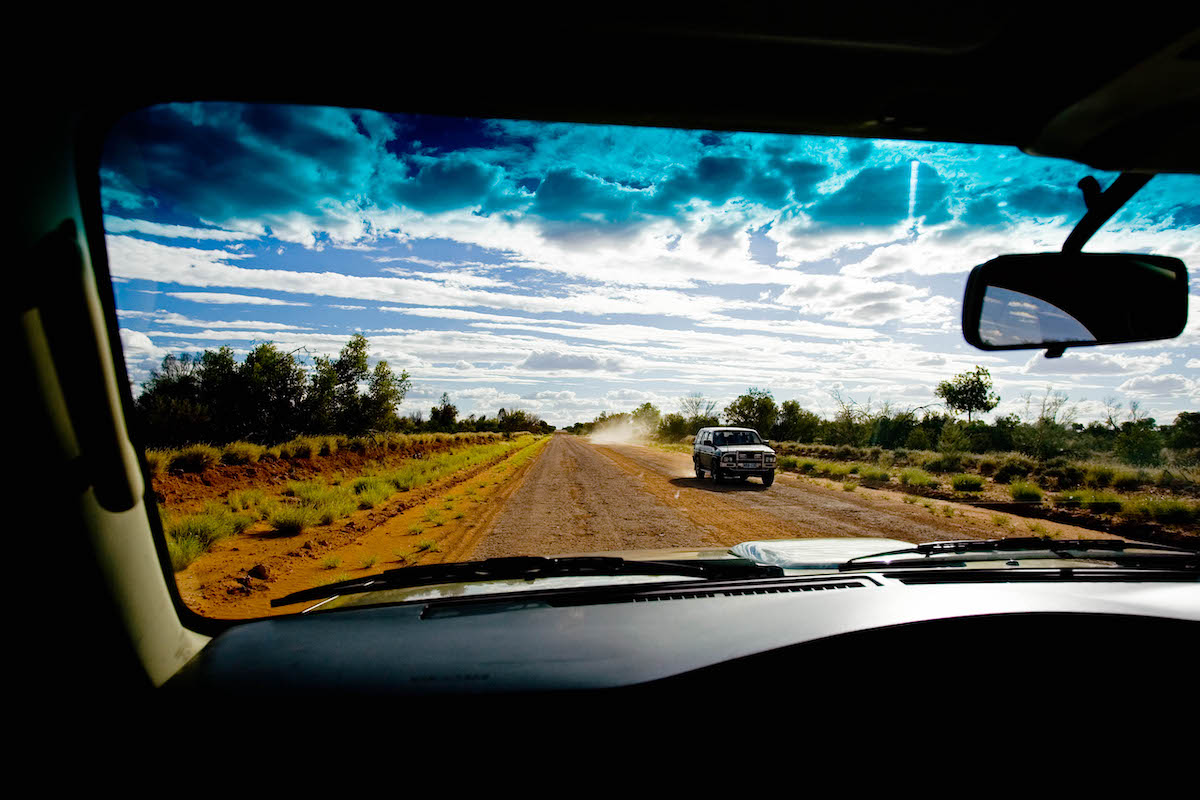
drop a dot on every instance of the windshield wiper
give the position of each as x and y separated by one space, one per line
532 568
949 554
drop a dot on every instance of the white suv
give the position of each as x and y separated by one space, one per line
733 453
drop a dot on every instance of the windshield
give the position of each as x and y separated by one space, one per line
360 342
731 438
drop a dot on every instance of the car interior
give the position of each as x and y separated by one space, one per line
1118 95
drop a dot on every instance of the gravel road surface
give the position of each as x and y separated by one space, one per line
581 497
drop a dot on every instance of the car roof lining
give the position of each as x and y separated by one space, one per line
1119 96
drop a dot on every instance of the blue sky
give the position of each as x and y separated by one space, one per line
572 269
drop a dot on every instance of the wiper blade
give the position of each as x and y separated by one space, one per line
942 553
532 568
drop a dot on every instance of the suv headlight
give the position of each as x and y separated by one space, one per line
770 458
728 457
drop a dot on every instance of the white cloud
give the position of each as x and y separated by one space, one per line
121 225
1159 386
555 361
868 302
224 298
1079 362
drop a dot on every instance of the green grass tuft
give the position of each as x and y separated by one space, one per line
967 483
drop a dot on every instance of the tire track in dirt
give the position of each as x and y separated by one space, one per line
797 507
581 497
574 500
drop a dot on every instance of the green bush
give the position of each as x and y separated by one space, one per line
195 458
1069 499
967 483
1025 492
291 520
947 462
1016 467
1166 511
1061 474
157 461
183 551
1102 502
914 476
1128 481
1099 477
371 491
873 475
241 453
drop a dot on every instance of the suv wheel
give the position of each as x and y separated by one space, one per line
699 471
768 479
717 474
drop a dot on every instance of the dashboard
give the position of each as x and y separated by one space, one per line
813 640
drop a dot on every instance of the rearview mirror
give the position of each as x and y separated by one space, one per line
1059 300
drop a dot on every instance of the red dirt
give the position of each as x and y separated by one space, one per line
182 492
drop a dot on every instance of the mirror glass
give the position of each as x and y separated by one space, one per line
1049 299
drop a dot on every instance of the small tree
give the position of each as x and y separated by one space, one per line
755 409
443 416
385 391
646 418
969 392
796 424
698 411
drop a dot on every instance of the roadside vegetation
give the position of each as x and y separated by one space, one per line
241 411
300 505
1125 469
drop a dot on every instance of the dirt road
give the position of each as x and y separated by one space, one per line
583 497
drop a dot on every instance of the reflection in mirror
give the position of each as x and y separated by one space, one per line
1012 318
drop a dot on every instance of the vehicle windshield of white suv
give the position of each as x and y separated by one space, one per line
360 343
732 438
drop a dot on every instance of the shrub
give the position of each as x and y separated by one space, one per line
204 528
195 458
788 463
1061 474
874 475
244 499
914 476
947 462
241 453
1129 481
1016 467
967 483
291 520
988 466
1025 492
1161 510
1170 480
371 491
1102 502
183 551
1069 499
1099 477
157 461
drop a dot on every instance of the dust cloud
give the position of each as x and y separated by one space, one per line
621 431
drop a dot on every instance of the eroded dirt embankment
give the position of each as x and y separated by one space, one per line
185 492
440 521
